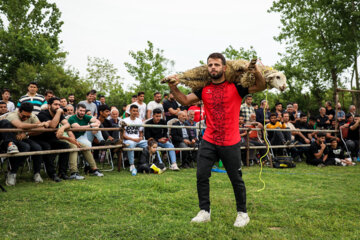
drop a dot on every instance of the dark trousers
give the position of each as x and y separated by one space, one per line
184 154
353 146
231 157
49 159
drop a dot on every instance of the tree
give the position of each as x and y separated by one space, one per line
320 36
29 32
149 68
233 54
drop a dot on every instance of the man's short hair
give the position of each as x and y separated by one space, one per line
62 98
321 134
88 93
69 105
348 115
101 96
248 96
312 118
278 103
5 90
217 56
357 115
26 106
49 91
134 96
329 103
134 106
71 94
283 114
80 105
166 94
33 83
263 101
103 108
302 115
273 115
51 100
93 91
140 93
289 105
157 111
333 139
2 103
156 93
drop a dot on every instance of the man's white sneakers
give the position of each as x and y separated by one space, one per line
174 167
202 216
242 219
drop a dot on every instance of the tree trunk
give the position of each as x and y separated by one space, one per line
357 98
335 85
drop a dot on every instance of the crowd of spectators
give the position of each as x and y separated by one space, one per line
34 110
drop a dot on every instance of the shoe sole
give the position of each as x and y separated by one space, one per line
209 220
243 225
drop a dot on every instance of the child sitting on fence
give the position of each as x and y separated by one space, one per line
149 160
337 156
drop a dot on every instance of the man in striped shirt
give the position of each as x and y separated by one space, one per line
37 100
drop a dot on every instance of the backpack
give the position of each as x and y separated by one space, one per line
283 162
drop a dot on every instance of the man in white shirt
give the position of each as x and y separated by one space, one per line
142 106
5 98
153 105
134 135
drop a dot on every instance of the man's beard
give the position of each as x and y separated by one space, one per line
80 116
217 76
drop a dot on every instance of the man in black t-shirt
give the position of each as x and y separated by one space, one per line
353 137
50 140
318 152
171 108
323 120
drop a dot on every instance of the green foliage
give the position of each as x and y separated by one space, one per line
149 68
233 54
120 206
29 32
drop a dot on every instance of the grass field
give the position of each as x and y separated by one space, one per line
301 203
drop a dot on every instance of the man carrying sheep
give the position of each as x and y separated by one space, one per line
221 140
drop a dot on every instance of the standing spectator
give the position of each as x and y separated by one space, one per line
278 110
171 108
71 99
69 111
127 111
35 99
296 110
142 106
124 111
255 106
340 115
323 120
3 108
133 135
166 96
330 112
352 110
246 108
100 102
353 137
318 152
260 112
155 104
292 114
181 137
161 136
199 111
54 116
6 98
48 94
63 102
89 103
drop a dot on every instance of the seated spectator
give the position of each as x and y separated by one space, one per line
330 112
303 137
255 106
115 121
3 108
127 110
23 118
149 159
153 105
198 110
191 122
142 106
340 115
181 137
312 122
33 97
319 152
352 141
161 136
352 110
171 108
81 120
69 111
49 140
63 103
88 112
277 137
331 135
297 112
336 155
246 108
6 98
89 103
260 112
104 113
291 112
71 100
323 121
133 135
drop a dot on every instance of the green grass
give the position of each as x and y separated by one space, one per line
301 203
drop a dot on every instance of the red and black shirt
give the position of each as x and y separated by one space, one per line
222 106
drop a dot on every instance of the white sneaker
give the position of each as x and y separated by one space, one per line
12 148
11 179
76 176
132 166
174 167
97 173
37 178
202 216
242 219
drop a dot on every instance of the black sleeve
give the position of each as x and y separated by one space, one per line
166 105
241 90
313 149
198 93
326 151
42 116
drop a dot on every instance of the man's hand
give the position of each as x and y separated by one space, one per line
187 141
73 141
60 111
137 140
20 136
43 124
323 146
59 132
307 141
162 140
173 80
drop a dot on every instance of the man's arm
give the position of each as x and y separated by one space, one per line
183 99
260 84
18 124
55 121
